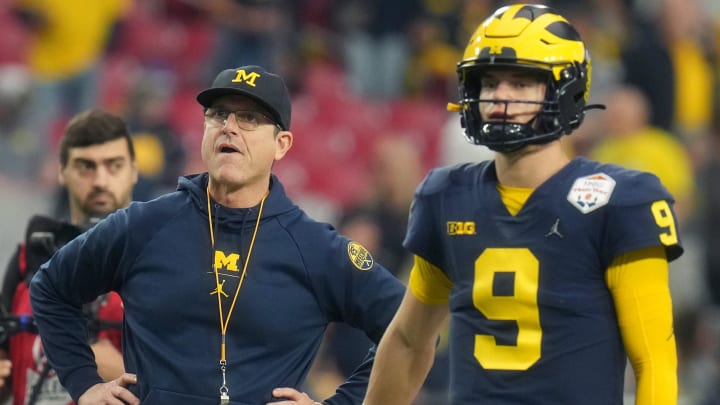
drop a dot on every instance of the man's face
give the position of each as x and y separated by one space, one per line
99 179
511 85
236 154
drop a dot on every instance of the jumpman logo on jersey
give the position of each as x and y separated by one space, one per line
554 230
219 290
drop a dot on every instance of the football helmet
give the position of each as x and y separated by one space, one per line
536 38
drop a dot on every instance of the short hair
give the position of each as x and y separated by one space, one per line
93 127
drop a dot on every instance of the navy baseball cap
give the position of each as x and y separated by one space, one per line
268 89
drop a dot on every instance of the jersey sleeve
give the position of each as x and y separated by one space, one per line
423 231
638 282
642 216
428 283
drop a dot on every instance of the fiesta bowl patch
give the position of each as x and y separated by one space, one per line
591 192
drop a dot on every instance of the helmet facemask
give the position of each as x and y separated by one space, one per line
562 109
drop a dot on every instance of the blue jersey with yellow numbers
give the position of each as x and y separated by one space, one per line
532 319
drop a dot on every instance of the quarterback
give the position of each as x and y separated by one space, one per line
554 271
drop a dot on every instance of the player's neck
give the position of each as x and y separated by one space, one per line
530 166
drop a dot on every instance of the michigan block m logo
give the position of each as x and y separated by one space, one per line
245 77
228 262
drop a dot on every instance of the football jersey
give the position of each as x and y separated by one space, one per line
532 319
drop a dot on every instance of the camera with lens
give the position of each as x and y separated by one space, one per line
44 236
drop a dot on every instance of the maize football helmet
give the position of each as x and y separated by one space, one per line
536 38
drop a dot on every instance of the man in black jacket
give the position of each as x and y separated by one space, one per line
97 167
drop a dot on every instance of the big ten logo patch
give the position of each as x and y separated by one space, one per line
460 228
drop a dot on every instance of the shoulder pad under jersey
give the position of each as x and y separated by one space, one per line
635 187
441 178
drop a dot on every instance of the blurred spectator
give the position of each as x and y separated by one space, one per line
431 70
374 44
160 154
709 180
395 170
647 65
629 140
437 36
379 223
249 32
67 44
690 39
669 55
698 334
20 151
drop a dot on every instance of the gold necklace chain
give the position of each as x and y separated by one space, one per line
224 397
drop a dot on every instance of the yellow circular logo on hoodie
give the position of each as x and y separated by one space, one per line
359 256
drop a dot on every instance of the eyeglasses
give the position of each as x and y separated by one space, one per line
247 120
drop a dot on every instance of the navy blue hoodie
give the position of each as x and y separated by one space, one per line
159 257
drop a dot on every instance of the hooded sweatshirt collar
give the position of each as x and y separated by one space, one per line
276 203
